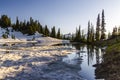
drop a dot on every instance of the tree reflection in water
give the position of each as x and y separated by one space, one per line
88 55
109 69
105 66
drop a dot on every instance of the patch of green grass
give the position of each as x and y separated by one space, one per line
113 48
109 69
107 42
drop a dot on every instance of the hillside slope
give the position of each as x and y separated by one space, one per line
19 37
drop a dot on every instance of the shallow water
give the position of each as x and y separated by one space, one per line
85 58
75 66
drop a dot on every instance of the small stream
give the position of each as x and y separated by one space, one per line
85 58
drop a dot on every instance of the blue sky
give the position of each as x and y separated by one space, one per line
64 14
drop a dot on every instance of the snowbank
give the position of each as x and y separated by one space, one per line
33 63
19 37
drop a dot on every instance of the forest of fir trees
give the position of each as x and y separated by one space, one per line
28 27
95 34
32 26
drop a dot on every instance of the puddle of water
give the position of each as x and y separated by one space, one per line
85 59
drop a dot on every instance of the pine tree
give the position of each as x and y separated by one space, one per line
97 36
28 27
79 33
31 31
23 27
58 34
92 33
5 21
83 36
109 35
119 31
76 34
103 36
53 32
5 36
31 21
46 32
17 25
73 37
40 30
13 36
88 33
20 26
114 33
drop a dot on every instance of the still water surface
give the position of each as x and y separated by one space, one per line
85 58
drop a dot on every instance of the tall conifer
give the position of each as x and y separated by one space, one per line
97 35
103 36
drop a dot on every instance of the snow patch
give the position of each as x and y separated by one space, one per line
19 37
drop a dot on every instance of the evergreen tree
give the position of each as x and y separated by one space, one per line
5 21
92 37
88 33
13 26
78 35
31 21
53 32
40 30
114 33
83 36
17 25
58 34
24 26
13 36
27 27
46 32
20 26
31 31
35 25
109 35
5 36
97 36
103 36
73 37
119 31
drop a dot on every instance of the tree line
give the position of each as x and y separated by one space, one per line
32 26
97 33
29 27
